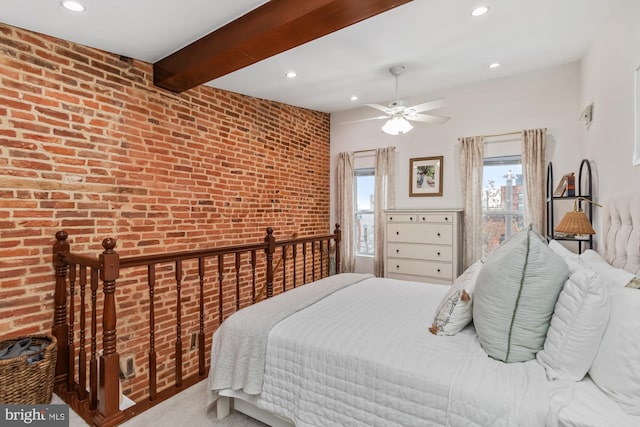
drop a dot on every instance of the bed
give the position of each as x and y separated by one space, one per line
357 350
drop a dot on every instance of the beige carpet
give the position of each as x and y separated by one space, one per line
184 409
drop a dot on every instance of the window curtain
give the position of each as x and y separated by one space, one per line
384 198
345 211
533 171
471 165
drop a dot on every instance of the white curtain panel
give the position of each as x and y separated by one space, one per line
384 198
471 165
345 211
534 174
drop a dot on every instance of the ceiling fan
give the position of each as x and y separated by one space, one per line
398 114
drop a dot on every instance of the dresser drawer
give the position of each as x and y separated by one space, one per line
417 251
420 217
440 270
440 234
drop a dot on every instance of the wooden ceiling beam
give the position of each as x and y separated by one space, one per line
272 28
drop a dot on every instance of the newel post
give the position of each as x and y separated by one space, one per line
60 328
338 238
108 385
269 250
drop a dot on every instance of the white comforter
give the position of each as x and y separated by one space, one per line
239 347
363 356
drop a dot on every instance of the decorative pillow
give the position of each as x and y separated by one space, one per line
609 274
455 309
565 253
634 283
616 369
515 296
576 329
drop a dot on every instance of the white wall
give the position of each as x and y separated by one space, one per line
607 80
547 98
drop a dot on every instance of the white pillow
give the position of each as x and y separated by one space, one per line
515 295
576 329
455 309
616 368
609 274
565 253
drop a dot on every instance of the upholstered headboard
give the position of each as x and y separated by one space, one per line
621 230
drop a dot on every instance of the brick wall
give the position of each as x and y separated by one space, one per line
89 145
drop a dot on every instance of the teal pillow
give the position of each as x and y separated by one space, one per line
515 296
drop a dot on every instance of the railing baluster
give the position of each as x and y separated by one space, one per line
313 261
328 257
321 259
153 375
93 362
82 357
294 255
253 276
201 359
220 279
60 327
304 262
237 281
72 320
271 248
284 268
178 323
338 238
109 384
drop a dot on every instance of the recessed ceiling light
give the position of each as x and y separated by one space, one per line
494 65
354 97
479 11
73 6
291 74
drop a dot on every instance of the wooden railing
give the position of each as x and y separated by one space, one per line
95 393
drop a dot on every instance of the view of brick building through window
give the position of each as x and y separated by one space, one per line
502 203
363 233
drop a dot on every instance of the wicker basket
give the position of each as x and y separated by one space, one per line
25 383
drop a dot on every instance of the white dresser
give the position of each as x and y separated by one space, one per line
423 246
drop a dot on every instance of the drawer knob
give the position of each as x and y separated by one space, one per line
438 234
410 218
424 219
397 266
438 270
390 218
438 253
397 251
397 233
446 218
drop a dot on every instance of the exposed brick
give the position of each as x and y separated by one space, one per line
90 145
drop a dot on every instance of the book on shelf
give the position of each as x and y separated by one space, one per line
571 185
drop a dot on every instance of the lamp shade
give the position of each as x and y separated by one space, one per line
396 125
575 222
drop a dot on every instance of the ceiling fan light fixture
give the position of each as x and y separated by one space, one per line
396 125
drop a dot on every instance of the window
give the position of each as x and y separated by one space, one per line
364 180
502 200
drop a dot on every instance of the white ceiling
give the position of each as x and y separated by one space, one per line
438 42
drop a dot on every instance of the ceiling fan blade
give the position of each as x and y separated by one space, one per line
364 120
429 105
381 108
427 118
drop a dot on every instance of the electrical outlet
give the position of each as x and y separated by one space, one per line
127 367
193 341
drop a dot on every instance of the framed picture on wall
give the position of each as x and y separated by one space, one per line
425 176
